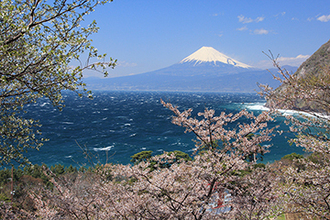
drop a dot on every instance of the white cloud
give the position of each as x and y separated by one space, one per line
245 20
291 61
260 31
125 64
282 14
242 28
324 18
259 19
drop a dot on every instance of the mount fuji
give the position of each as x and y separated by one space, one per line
206 61
206 70
210 55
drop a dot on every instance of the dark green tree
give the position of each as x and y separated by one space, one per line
58 169
180 155
141 156
146 156
38 42
292 156
71 169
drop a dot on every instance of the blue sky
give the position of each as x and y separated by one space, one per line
146 35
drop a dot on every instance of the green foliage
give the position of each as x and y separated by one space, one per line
141 156
58 169
35 171
5 175
292 156
249 170
4 198
294 160
146 156
38 42
180 155
210 146
281 217
155 164
259 165
319 158
71 169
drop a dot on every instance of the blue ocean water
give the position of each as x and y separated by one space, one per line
115 125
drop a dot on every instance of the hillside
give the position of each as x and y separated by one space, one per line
309 83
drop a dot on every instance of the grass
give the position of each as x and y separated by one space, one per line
281 217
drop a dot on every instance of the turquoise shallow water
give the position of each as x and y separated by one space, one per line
115 125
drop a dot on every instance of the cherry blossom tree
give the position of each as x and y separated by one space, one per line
306 187
256 195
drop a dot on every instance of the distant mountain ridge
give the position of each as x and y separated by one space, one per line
206 70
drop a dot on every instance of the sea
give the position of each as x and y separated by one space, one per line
115 125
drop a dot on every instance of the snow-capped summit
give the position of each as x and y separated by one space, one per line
209 54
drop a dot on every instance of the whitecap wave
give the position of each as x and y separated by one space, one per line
43 104
103 148
67 122
256 106
261 107
312 114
